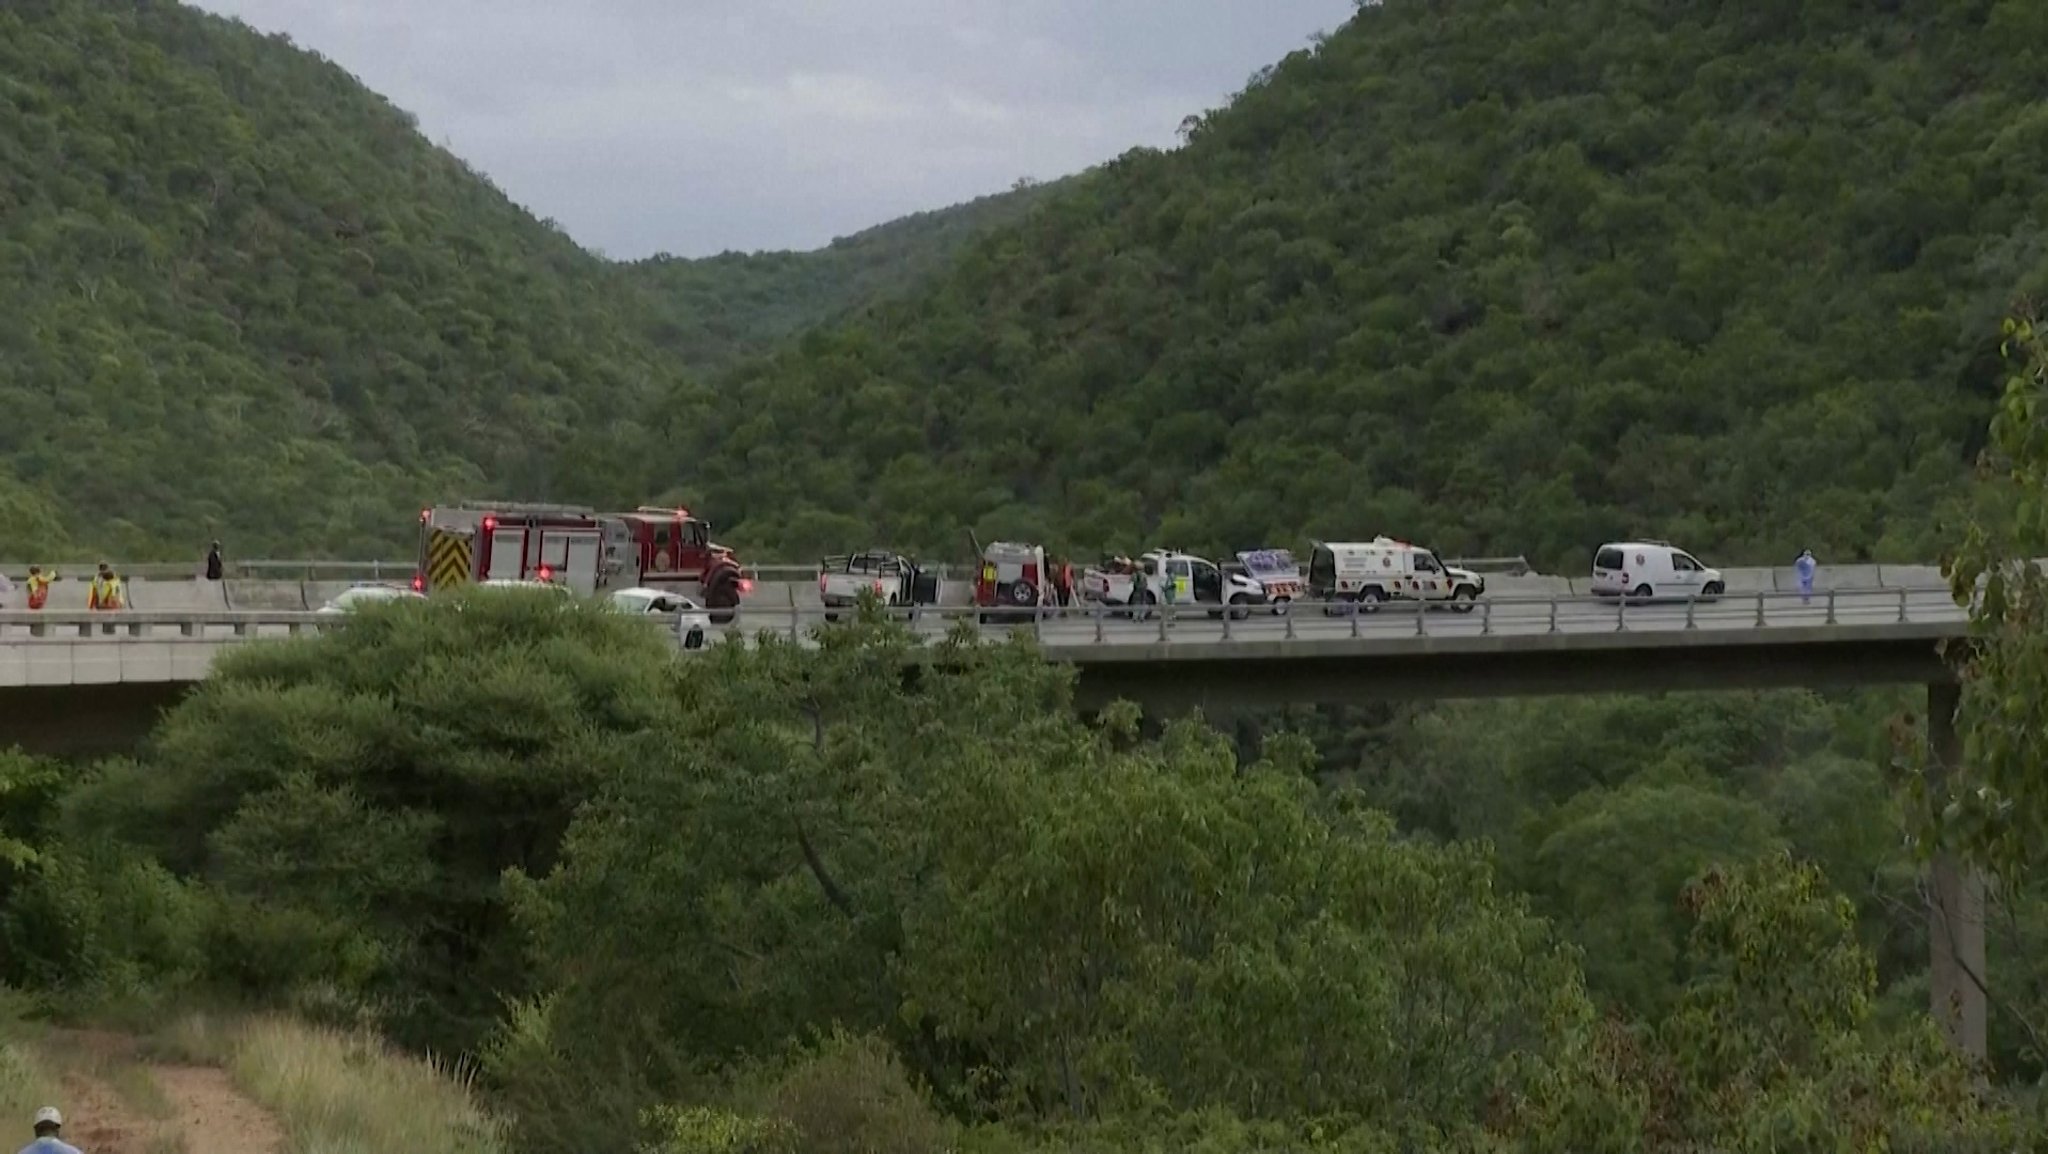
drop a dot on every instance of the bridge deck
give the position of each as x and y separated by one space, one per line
1505 646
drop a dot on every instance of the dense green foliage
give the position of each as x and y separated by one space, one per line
245 298
778 898
715 312
354 800
1097 926
1994 807
1511 278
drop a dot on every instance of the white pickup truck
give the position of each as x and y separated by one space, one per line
894 580
1164 575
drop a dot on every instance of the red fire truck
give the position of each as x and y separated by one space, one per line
671 549
512 541
579 547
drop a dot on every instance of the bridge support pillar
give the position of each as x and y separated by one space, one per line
1955 903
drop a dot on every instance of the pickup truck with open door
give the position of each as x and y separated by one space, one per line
1164 575
894 580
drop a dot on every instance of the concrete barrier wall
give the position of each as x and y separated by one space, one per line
1749 580
69 594
1911 575
175 595
318 593
1836 577
268 595
65 593
1531 585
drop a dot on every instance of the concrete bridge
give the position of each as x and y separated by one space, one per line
77 682
159 587
1506 645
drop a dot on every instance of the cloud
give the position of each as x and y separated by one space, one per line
694 126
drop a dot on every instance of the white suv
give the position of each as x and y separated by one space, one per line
1653 571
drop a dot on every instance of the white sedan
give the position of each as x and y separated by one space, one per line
693 622
357 595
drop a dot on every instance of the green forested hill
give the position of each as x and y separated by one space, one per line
244 296
241 296
714 312
1509 279
1506 277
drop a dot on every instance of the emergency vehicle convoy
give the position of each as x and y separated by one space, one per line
651 551
579 548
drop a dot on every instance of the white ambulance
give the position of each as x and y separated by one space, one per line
1384 569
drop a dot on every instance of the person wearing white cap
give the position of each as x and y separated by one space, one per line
49 1124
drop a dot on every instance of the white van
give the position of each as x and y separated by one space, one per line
1652 571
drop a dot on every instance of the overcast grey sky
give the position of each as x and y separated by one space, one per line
695 126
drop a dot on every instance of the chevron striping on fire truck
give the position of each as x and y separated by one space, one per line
579 547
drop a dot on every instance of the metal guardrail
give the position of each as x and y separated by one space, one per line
1098 624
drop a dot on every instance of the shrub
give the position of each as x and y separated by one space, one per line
851 1095
702 1130
93 916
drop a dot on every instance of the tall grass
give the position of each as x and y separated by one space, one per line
26 1082
340 1093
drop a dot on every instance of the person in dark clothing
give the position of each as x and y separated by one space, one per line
213 563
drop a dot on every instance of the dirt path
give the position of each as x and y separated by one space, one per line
208 1106
96 1120
117 1104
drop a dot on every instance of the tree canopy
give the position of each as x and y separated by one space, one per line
715 313
1509 278
1506 279
873 895
246 298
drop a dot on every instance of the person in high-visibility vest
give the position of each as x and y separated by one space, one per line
104 589
38 586
116 595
